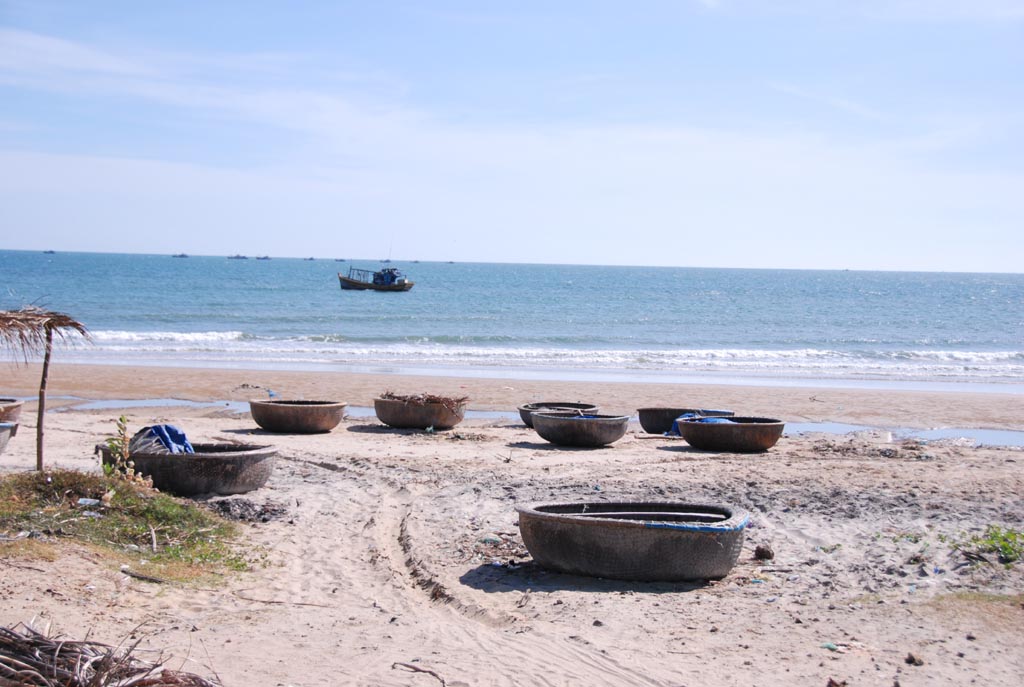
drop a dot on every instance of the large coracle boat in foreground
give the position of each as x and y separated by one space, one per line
385 279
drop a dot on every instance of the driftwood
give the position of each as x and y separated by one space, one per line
417 669
141 576
274 601
30 658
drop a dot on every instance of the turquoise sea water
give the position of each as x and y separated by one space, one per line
671 324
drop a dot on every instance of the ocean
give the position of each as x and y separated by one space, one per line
964 331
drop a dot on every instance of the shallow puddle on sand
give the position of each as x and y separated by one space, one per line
980 437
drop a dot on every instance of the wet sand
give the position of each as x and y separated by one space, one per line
884 408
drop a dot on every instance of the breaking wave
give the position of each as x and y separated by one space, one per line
239 347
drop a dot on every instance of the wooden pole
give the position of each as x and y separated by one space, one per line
42 398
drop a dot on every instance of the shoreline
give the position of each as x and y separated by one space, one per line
576 373
788 400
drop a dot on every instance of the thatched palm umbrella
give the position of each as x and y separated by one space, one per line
28 330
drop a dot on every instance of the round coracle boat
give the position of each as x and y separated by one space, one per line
527 410
10 409
212 469
409 414
7 430
576 429
732 434
659 420
297 417
642 541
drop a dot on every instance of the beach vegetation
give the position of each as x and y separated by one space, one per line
1005 542
994 606
23 548
121 465
177 539
909 537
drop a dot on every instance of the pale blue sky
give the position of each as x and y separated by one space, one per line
872 134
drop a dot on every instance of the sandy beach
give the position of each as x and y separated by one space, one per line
394 557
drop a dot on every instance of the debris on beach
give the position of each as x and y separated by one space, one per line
29 657
245 510
452 403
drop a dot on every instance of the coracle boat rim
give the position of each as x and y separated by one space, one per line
298 403
733 520
590 417
201 451
560 405
732 421
699 410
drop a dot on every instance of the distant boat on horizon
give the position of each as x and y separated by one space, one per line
238 257
263 257
49 252
180 255
308 259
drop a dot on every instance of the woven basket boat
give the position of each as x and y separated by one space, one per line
297 417
10 409
574 429
7 430
741 435
404 415
642 541
527 410
659 420
212 469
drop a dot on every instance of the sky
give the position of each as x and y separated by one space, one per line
834 134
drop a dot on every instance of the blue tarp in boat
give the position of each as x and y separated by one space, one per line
160 439
691 417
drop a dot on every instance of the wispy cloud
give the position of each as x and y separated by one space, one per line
945 10
835 102
199 83
24 52
894 10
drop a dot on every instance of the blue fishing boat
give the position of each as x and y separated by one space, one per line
384 279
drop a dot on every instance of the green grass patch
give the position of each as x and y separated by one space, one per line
1006 543
1015 601
190 541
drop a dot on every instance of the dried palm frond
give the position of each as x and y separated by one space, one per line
32 329
28 657
25 330
452 403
